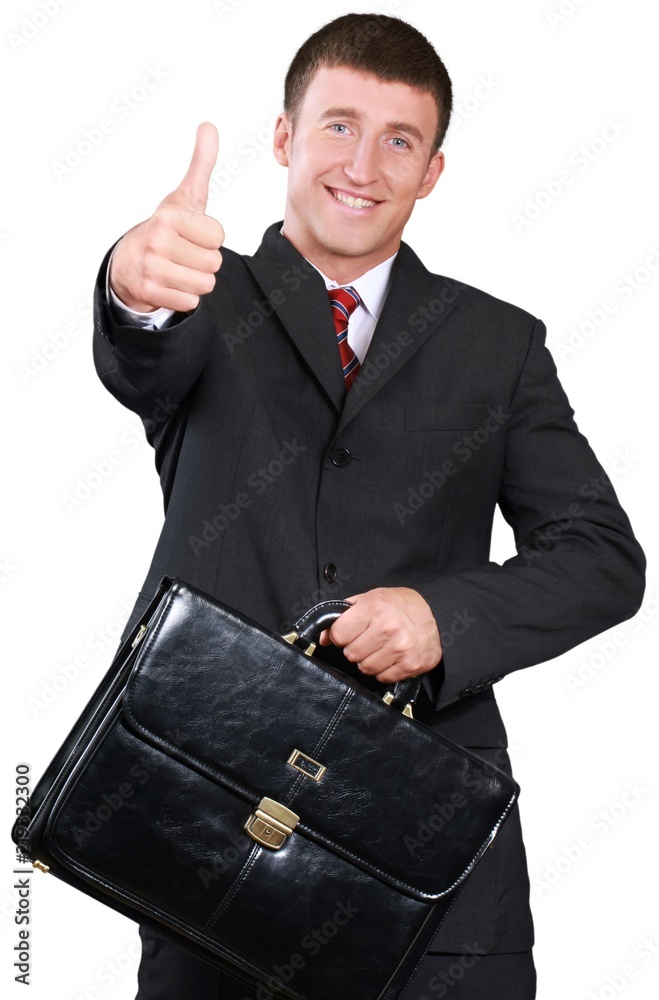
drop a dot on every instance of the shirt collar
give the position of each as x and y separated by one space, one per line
372 286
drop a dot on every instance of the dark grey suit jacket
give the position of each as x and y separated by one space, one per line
281 491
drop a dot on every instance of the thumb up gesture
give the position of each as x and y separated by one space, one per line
171 259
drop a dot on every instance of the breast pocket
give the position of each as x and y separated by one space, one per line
447 416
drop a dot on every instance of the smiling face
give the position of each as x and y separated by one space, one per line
359 156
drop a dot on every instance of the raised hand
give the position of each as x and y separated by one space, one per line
171 259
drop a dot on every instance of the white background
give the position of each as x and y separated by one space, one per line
551 84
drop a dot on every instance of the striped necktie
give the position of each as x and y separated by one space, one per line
344 301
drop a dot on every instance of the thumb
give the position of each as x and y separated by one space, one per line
193 189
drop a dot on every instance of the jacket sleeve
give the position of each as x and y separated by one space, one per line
148 370
578 569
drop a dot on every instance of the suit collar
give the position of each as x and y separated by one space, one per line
372 286
416 304
297 292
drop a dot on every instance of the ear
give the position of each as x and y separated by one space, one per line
433 173
281 144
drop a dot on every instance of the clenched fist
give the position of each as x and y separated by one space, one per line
389 632
171 259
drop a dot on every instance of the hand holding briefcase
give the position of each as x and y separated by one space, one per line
263 809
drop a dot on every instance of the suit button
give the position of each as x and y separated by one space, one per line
465 692
340 457
330 572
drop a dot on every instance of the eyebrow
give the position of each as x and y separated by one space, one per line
393 126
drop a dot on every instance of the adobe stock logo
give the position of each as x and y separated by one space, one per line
464 449
76 152
33 24
579 161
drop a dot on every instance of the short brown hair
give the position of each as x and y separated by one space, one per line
387 47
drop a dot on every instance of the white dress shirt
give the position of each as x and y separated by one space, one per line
372 288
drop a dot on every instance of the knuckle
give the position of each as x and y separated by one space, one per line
404 648
159 223
189 302
149 267
391 630
206 283
146 288
155 242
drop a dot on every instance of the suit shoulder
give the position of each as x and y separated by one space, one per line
478 312
485 306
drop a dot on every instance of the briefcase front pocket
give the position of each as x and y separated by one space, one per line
170 842
267 811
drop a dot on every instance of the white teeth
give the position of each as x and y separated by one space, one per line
347 199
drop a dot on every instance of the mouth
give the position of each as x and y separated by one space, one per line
352 201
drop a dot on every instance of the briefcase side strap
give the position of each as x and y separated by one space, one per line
402 695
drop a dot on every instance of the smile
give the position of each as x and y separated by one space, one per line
350 201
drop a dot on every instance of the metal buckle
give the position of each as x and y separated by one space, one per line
388 697
306 765
292 638
138 638
271 824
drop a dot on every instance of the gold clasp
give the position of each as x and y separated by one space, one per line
292 638
389 697
138 638
40 866
271 824
306 765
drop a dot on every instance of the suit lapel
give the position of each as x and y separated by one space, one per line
418 302
297 293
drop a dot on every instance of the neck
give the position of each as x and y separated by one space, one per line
338 267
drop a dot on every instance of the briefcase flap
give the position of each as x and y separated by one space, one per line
254 714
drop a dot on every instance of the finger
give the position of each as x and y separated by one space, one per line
203 230
349 625
175 287
373 661
170 298
194 186
183 279
195 257
392 675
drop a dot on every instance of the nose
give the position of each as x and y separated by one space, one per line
361 165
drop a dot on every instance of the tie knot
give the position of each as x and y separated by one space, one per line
345 300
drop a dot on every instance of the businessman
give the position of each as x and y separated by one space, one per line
332 419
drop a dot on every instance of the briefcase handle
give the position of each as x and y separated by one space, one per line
402 695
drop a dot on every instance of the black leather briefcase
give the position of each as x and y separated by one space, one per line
262 809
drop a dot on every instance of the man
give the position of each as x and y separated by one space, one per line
296 468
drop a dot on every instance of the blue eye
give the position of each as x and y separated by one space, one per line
338 125
399 140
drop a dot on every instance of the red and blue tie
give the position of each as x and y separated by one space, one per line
344 301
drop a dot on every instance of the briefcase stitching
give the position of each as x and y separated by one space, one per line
322 740
77 758
231 892
162 917
253 797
